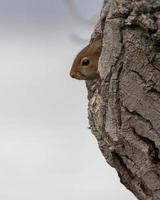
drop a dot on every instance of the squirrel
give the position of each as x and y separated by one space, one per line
85 65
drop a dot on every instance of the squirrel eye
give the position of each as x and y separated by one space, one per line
85 61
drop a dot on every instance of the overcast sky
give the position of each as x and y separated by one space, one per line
46 149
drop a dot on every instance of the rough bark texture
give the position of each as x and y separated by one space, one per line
124 106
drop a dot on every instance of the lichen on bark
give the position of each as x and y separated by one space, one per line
124 104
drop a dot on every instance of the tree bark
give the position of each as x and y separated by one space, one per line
124 104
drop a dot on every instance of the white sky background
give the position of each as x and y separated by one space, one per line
46 149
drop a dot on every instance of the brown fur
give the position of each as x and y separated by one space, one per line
89 72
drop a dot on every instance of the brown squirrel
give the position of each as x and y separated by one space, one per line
85 65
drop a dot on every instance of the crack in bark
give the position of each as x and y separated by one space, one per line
153 150
104 105
146 190
118 95
155 67
155 91
135 113
139 75
122 164
128 158
149 85
130 180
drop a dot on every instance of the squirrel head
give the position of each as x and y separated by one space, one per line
85 65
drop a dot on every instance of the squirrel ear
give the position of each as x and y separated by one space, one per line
98 46
99 49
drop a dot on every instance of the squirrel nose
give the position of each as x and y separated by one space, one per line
72 74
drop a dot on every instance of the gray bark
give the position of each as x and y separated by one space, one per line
124 105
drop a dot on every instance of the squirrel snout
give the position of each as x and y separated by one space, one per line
72 74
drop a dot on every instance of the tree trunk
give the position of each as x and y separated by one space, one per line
124 105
